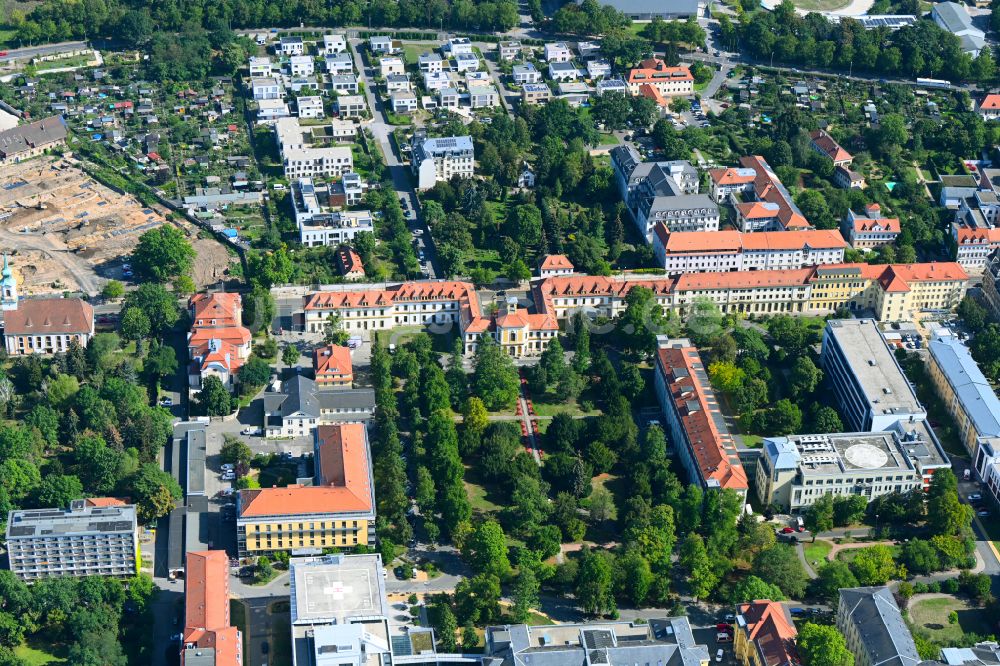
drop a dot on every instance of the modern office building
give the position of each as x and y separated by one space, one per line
441 158
874 628
336 511
79 541
663 642
872 391
764 635
209 639
694 420
964 391
339 612
795 471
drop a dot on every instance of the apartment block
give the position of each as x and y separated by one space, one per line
303 159
964 391
439 159
337 511
765 635
319 216
82 540
870 230
874 628
720 251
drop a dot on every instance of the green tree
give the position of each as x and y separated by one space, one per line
213 398
235 451
919 557
494 379
58 490
525 594
19 477
594 583
726 376
805 376
113 290
826 419
445 625
640 323
823 645
875 565
831 578
780 565
253 374
752 588
477 599
486 549
849 509
62 390
819 516
634 578
163 254
475 419
159 305
154 491
701 573
290 355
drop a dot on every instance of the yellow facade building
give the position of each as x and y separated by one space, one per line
337 512
764 635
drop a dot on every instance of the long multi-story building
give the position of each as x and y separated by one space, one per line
973 247
439 159
694 420
23 142
337 511
870 387
964 391
795 471
83 540
209 638
722 251
302 159
991 284
765 635
874 628
666 81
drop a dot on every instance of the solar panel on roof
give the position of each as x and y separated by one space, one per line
20 531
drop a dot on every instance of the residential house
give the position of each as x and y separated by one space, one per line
764 635
430 63
391 65
457 45
558 52
666 81
269 110
555 264
563 71
871 230
344 84
303 160
509 50
448 98
588 50
526 179
989 107
535 93
824 144
483 97
260 67
397 83
310 107
349 263
343 129
301 65
614 86
526 73
403 102
266 88
848 179
218 342
598 69
339 63
332 364
291 46
350 106
318 215
466 62
439 159
333 44
437 81
382 45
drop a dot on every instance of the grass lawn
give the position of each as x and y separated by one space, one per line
412 51
752 441
816 552
7 37
552 408
821 5
849 555
479 495
33 653
608 140
930 617
72 61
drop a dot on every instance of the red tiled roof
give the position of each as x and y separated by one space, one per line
332 360
731 176
106 501
49 316
865 224
826 143
206 606
653 70
770 629
967 236
553 262
714 451
223 307
236 335
652 93
349 261
744 279
990 102
680 242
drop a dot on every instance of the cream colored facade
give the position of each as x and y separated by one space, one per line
270 534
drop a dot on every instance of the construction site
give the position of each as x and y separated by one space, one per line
67 232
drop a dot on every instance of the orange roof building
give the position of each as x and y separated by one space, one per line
337 511
694 420
871 230
555 264
332 365
765 635
208 632
666 81
218 343
974 246
769 205
723 251
989 107
827 146
349 263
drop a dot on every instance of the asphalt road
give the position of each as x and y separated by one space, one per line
45 49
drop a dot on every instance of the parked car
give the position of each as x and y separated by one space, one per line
250 431
975 497
797 611
166 401
723 626
983 514
787 530
228 467
718 655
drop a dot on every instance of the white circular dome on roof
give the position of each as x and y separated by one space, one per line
866 456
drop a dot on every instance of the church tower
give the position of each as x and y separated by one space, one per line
8 287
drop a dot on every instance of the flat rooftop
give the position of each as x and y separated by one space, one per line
849 452
337 589
77 520
881 380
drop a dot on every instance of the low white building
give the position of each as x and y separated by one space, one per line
482 97
430 63
391 65
344 84
310 107
260 67
266 88
350 106
526 73
509 50
291 46
558 52
301 65
306 160
380 44
466 62
334 44
436 81
598 69
456 45
319 219
397 83
339 63
615 86
563 71
403 102
343 129
271 109
448 98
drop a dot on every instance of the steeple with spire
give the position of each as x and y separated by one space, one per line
8 287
